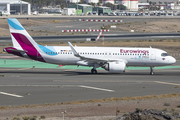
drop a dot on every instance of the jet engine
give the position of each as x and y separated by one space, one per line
115 67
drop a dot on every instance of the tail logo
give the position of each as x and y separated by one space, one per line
15 24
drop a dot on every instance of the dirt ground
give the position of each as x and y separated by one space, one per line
150 26
4 28
91 111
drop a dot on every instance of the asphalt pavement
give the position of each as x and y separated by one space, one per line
21 86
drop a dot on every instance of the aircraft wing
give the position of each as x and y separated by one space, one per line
92 58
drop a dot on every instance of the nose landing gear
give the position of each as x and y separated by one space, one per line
151 71
93 71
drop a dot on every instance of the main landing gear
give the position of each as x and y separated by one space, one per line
151 71
93 71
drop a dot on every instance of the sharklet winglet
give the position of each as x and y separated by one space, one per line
73 50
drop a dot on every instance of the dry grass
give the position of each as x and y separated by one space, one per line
172 95
30 22
151 26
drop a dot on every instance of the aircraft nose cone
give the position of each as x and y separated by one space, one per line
173 60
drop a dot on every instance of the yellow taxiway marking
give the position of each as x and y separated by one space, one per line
167 83
24 68
69 70
17 69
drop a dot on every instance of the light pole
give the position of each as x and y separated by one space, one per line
21 7
77 7
63 114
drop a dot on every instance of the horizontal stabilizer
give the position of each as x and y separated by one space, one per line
15 50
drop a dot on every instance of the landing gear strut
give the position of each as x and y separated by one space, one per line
151 71
93 71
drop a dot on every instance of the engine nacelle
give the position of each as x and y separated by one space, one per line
115 67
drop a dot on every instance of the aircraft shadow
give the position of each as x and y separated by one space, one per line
74 73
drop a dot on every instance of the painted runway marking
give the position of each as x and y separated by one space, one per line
82 86
10 94
167 83
95 88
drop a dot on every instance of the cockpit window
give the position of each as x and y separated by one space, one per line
164 54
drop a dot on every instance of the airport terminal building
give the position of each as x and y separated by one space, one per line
15 6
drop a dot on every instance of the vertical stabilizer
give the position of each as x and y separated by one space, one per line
17 33
23 41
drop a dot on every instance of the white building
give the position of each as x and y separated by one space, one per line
15 6
106 1
73 1
92 1
69 11
143 5
173 6
130 4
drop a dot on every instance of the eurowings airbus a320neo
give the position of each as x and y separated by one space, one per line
112 59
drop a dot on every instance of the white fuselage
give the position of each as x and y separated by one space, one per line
132 56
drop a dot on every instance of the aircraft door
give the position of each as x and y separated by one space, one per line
153 55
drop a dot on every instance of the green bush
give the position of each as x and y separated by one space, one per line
32 118
25 118
42 117
16 118
167 104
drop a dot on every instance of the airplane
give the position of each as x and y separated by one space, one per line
112 59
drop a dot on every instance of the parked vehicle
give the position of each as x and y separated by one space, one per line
35 13
105 13
112 14
6 13
95 13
